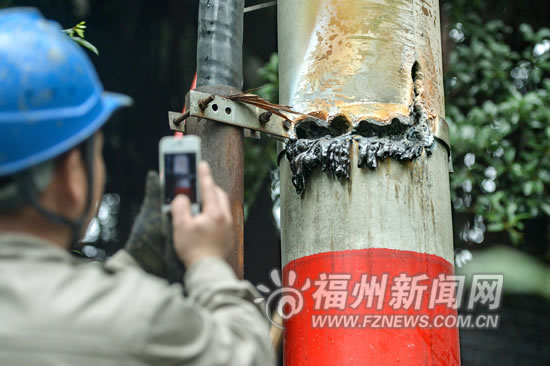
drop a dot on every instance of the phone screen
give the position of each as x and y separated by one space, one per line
180 172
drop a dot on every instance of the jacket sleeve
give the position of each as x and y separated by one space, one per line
121 260
216 324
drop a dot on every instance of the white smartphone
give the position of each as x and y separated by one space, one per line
179 159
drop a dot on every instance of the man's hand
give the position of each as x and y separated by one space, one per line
150 243
208 234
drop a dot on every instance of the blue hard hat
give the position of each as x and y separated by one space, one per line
50 96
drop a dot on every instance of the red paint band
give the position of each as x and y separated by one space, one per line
193 87
308 345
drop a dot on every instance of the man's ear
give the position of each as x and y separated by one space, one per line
69 183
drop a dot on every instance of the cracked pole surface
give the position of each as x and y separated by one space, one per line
365 186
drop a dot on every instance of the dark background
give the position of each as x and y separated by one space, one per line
148 51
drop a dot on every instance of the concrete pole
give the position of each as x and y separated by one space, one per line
371 72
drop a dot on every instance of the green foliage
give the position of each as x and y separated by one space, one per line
260 158
499 122
77 34
270 73
500 125
261 155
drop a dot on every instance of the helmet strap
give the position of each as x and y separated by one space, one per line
11 192
29 190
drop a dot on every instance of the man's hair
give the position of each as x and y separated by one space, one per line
16 189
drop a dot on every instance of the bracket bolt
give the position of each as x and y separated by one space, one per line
203 104
264 117
287 124
180 119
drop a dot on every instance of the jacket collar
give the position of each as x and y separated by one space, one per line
25 246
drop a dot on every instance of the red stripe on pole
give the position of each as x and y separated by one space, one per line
306 345
193 86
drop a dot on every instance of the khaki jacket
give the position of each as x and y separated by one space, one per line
58 310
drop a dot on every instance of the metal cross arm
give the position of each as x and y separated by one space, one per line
224 110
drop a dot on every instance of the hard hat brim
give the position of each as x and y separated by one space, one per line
75 133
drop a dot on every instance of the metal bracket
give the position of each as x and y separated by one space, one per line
220 109
173 118
441 134
260 6
255 120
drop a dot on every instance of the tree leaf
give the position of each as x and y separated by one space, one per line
84 43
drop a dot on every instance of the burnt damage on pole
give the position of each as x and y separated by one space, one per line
326 144
405 146
332 153
329 153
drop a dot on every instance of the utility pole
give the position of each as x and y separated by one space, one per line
219 72
369 75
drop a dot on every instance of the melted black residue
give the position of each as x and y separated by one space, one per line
407 145
315 128
324 144
332 154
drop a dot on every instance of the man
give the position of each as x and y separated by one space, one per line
56 309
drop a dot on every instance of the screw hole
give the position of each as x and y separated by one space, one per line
215 107
228 110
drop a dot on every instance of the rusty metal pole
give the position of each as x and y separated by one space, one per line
371 72
219 71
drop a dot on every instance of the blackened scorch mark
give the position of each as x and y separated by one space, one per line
328 144
408 144
332 154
